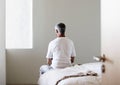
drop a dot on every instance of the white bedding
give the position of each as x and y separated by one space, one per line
52 76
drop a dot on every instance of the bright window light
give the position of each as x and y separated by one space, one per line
18 24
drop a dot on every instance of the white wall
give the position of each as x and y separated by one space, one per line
82 18
2 44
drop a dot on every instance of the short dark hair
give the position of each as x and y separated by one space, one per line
61 27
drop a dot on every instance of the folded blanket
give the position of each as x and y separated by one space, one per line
81 74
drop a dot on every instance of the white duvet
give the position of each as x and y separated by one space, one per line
52 76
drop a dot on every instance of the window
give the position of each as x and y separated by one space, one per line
18 24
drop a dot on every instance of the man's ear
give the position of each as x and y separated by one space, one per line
56 31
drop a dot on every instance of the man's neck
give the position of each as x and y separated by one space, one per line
61 36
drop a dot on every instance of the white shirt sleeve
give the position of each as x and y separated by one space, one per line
49 53
73 51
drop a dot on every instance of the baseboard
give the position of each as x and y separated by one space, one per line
22 84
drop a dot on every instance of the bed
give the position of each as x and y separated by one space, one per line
85 74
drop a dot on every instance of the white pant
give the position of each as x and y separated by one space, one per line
45 68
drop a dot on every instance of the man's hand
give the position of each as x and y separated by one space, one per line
72 59
49 61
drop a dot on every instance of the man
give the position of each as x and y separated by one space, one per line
61 51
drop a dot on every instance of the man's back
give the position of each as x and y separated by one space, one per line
61 49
